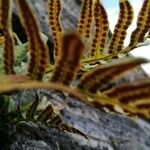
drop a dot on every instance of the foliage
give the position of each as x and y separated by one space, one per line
75 61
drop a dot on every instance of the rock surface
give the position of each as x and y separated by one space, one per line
106 131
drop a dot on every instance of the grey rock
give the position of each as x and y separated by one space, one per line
106 131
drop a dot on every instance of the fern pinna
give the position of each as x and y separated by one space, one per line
101 30
70 61
5 25
38 51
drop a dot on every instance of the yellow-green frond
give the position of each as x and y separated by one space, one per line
69 61
101 76
5 25
124 21
143 24
38 50
54 9
101 30
85 22
135 95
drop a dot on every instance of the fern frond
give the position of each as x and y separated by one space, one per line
97 100
143 24
52 119
27 23
101 100
135 95
46 114
132 94
69 61
101 76
55 120
5 25
54 9
85 22
17 82
31 111
38 50
101 30
133 89
125 20
70 129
